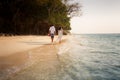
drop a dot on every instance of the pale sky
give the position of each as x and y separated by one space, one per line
99 16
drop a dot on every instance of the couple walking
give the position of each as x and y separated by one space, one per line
52 32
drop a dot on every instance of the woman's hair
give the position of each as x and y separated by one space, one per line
59 28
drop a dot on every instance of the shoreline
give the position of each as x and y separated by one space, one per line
13 63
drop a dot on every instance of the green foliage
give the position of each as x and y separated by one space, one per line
32 16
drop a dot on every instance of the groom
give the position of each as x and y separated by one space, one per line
52 32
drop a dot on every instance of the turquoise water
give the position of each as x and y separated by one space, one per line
93 57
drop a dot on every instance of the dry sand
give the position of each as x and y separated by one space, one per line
11 45
20 52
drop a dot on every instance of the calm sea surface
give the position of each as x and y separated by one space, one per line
91 57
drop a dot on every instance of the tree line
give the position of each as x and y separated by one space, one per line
25 17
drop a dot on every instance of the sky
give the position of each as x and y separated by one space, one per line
98 16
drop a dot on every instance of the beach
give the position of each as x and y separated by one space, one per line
20 52
78 57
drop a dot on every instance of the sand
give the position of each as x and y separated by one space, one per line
10 45
20 52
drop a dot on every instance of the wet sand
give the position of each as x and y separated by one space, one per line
38 61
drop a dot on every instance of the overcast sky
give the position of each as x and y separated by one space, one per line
99 16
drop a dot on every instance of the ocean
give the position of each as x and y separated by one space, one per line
91 57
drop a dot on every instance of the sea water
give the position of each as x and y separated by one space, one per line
91 57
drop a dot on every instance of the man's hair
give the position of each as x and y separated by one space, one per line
51 25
